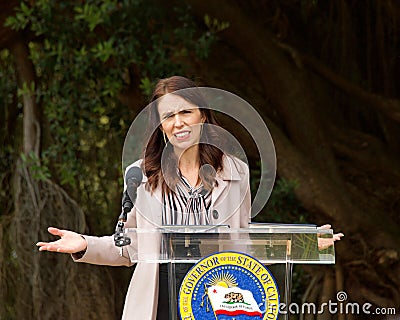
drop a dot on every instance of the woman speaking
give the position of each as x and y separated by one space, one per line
189 179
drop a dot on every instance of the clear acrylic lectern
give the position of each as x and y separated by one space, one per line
276 246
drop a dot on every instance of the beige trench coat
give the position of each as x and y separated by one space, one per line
231 200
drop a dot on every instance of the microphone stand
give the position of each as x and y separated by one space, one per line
133 179
120 238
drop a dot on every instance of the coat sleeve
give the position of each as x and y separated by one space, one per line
245 207
103 251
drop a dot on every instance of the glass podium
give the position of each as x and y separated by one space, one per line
276 246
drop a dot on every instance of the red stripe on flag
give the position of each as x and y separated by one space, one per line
238 312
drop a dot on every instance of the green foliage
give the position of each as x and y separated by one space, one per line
21 18
93 14
38 171
8 86
85 55
146 86
9 112
282 206
26 89
214 25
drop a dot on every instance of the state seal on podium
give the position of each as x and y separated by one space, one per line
228 285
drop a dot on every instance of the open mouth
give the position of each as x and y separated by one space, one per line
182 135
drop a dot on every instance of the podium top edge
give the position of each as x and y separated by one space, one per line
228 230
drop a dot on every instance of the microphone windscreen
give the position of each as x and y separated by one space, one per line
133 178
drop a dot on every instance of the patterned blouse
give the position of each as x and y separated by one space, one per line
187 206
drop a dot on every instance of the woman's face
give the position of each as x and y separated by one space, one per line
180 120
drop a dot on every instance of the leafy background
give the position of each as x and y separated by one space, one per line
73 75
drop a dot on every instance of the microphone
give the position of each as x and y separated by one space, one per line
133 179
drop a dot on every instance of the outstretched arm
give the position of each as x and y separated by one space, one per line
90 249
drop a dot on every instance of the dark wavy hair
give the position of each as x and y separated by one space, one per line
210 155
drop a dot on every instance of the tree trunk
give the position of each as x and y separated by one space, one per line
304 143
42 285
26 80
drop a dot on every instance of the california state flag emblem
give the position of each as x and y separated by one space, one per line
233 301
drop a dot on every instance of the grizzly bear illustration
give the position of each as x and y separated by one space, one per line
234 297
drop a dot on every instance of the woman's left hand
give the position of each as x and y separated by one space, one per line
324 243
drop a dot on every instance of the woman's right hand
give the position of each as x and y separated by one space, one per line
70 242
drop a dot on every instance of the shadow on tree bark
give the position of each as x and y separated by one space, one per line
47 285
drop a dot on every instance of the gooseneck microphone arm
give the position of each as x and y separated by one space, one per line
133 178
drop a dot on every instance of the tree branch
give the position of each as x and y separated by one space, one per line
389 107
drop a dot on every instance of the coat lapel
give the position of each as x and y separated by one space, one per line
228 173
